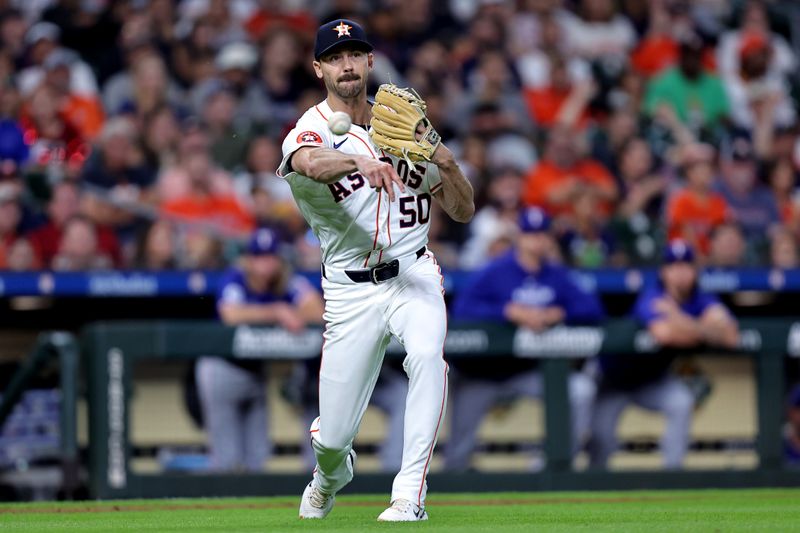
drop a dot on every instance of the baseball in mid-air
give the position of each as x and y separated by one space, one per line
339 122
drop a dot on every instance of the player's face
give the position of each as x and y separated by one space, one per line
345 71
265 269
679 278
534 243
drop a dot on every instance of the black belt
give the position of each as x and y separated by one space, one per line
380 272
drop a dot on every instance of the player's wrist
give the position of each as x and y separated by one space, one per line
442 157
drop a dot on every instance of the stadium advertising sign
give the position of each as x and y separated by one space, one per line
275 343
116 473
558 342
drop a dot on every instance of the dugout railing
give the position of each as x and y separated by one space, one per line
111 348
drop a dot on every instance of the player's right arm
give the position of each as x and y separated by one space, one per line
327 165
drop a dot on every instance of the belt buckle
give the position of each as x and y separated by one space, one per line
373 273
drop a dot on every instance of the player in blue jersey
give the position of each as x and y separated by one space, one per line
261 291
524 288
678 315
791 436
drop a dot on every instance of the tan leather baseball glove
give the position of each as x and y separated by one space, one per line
395 116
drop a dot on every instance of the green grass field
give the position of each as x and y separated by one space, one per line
704 510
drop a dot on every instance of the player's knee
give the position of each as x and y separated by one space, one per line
425 357
582 391
679 403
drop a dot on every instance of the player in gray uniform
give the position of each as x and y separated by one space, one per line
678 315
259 291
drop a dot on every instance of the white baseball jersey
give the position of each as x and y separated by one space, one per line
357 226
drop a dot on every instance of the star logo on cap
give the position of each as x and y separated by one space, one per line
343 29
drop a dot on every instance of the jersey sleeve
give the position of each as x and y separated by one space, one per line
299 287
644 311
433 179
231 291
307 132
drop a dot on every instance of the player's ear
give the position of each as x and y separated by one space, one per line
370 59
317 69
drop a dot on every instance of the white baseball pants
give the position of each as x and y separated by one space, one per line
360 320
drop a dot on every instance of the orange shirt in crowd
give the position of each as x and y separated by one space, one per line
221 211
86 114
692 217
545 104
546 176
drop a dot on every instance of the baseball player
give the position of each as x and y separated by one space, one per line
260 291
677 314
524 288
367 193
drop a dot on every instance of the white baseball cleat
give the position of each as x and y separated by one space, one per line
317 504
403 511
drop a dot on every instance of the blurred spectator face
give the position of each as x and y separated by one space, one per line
700 175
194 138
505 189
679 278
12 32
198 166
561 148
559 76
551 34
475 153
220 109
9 100
281 51
159 246
10 211
344 71
202 36
494 69
690 58
598 10
727 247
43 104
41 49
781 177
79 241
21 256
59 78
117 143
265 269
150 75
201 251
64 204
263 156
621 127
741 174
755 55
783 250
636 160
161 131
754 17
431 57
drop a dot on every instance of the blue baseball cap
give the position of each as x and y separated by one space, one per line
338 32
678 251
264 241
533 220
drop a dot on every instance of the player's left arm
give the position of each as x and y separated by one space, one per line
455 193
719 327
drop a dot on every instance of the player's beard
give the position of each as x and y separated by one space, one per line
345 90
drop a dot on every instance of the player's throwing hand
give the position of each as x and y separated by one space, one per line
380 175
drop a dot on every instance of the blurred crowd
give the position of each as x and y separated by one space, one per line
146 133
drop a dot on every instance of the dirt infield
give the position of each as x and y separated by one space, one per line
108 507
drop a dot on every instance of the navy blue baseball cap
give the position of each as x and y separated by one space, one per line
678 251
339 32
264 241
533 220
